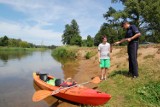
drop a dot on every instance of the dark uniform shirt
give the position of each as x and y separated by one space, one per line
131 31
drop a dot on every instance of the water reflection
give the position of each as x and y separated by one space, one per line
69 66
16 68
16 81
55 101
70 69
7 55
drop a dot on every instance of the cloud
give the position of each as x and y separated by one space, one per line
31 34
54 15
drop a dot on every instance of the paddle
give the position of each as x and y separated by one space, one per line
42 94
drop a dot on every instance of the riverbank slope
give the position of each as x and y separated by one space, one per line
125 91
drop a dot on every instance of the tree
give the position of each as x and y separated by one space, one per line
24 44
90 41
4 41
111 28
66 35
76 40
84 42
145 14
71 35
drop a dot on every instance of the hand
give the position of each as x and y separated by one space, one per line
129 39
116 43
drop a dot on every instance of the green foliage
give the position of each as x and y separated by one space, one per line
4 41
76 40
150 93
65 52
10 42
112 31
90 41
71 35
143 13
89 54
84 42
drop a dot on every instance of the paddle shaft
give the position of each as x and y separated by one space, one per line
60 89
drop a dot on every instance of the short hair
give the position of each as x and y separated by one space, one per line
104 37
124 22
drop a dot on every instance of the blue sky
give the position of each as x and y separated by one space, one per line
43 21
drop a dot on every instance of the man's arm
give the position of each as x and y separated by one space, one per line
128 39
121 41
133 37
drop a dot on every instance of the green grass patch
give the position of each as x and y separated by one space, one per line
143 91
150 93
90 54
65 52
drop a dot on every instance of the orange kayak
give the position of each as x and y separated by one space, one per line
81 95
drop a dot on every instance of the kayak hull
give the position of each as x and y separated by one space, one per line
82 95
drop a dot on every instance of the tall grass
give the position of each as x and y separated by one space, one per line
65 52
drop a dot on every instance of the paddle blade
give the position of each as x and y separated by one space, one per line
96 80
40 95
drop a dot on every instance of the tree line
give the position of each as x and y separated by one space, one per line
11 42
145 14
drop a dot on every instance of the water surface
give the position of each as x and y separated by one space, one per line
16 82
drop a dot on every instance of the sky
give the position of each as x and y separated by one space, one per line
42 22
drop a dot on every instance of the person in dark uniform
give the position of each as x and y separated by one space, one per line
132 37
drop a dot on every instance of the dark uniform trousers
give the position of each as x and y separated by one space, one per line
132 53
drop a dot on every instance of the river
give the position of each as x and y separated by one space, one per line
16 82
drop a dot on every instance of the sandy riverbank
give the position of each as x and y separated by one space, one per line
89 68
122 92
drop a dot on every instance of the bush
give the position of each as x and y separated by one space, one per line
67 52
89 55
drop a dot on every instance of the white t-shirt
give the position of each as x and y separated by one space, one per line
104 50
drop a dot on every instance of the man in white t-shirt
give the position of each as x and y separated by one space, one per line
104 50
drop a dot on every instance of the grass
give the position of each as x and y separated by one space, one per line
70 52
90 54
149 56
150 93
122 52
141 92
65 52
158 52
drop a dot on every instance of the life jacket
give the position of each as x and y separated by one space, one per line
51 81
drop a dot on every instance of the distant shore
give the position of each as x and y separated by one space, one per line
20 49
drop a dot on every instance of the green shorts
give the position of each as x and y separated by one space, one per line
105 63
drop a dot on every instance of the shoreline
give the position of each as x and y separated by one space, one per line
122 88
